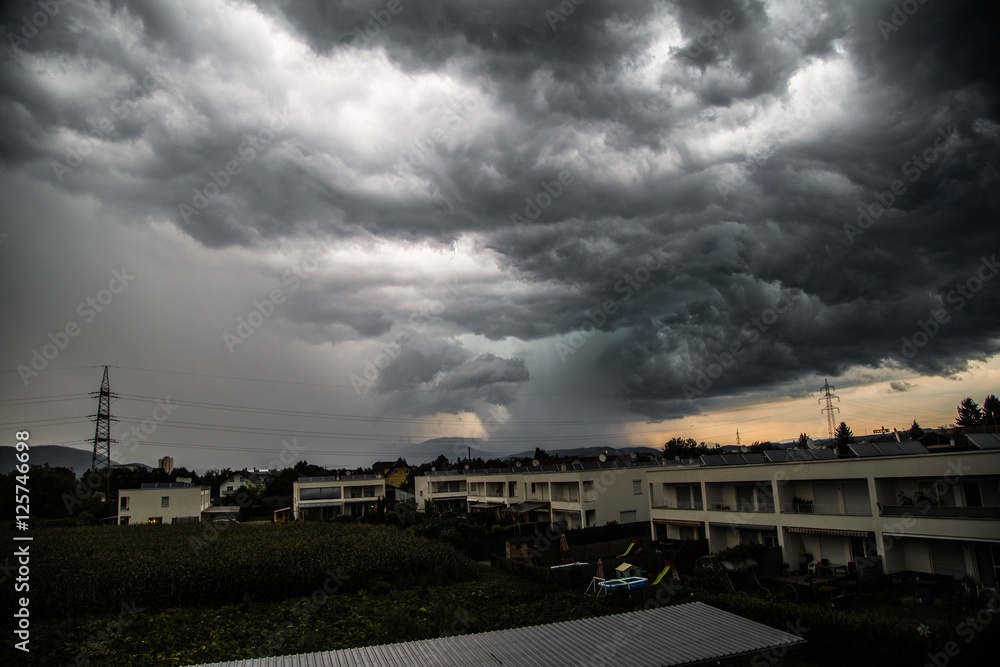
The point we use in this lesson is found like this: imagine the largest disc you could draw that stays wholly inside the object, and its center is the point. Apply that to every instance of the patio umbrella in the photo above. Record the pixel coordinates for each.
(600, 569)
(563, 544)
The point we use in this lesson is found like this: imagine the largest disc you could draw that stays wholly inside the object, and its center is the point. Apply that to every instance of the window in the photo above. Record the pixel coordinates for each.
(686, 532)
(123, 521)
(124, 503)
(626, 517)
(164, 501)
(156, 519)
(637, 487)
(973, 497)
(320, 493)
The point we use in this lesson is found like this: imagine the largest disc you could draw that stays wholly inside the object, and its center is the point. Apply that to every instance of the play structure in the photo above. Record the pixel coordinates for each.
(627, 578)
(633, 545)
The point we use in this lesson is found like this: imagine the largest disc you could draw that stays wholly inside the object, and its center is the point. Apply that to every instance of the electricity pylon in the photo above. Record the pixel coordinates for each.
(830, 408)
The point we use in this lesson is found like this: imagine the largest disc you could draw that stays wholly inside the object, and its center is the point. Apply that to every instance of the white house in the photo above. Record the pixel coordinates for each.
(231, 484)
(316, 498)
(163, 503)
(576, 494)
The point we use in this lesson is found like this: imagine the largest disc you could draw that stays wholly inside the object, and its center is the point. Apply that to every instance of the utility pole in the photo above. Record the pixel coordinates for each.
(828, 396)
(102, 432)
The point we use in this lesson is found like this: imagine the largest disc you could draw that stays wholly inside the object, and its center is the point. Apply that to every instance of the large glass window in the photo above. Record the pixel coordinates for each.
(320, 493)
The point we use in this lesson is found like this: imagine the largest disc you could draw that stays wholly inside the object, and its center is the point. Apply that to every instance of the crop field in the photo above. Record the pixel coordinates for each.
(179, 595)
(79, 570)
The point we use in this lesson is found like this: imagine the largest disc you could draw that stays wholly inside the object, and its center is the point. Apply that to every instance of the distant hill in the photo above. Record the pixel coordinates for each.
(57, 456)
(455, 448)
(591, 451)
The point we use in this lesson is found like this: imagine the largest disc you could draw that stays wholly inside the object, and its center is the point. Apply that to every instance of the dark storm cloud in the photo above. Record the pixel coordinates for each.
(740, 150)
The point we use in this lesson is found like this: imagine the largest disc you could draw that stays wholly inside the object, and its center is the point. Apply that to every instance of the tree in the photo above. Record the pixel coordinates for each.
(540, 454)
(803, 441)
(758, 447)
(842, 437)
(915, 432)
(685, 449)
(991, 411)
(969, 414)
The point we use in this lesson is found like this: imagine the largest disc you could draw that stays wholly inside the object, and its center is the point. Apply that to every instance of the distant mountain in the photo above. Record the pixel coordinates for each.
(455, 448)
(591, 451)
(57, 456)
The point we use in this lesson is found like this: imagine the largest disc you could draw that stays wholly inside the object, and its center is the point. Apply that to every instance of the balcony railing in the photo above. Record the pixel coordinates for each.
(767, 508)
(934, 512)
(828, 509)
(678, 506)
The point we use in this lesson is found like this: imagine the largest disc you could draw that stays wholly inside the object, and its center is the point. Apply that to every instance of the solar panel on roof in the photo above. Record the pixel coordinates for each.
(984, 440)
(863, 450)
(913, 447)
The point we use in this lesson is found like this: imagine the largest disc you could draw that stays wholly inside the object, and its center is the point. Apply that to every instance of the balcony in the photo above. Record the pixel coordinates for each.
(831, 509)
(938, 512)
(678, 506)
(761, 507)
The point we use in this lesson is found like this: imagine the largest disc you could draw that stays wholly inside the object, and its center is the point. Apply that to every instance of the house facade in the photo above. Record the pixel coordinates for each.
(578, 495)
(395, 474)
(163, 503)
(925, 512)
(231, 484)
(446, 488)
(318, 498)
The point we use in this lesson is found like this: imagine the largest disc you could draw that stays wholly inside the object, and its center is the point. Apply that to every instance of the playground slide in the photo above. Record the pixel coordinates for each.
(657, 580)
(627, 550)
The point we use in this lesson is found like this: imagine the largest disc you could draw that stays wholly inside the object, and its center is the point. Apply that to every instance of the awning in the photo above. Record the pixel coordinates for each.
(310, 504)
(830, 531)
(677, 522)
(528, 506)
(747, 526)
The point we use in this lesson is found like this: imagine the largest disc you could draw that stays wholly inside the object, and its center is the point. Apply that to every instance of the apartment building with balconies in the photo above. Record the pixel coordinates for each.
(576, 494)
(892, 504)
(447, 489)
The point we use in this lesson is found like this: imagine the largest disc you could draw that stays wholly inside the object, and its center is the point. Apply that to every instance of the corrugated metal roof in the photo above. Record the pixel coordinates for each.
(680, 635)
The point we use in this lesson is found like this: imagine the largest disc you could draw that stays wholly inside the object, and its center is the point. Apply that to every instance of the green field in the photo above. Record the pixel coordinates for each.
(262, 590)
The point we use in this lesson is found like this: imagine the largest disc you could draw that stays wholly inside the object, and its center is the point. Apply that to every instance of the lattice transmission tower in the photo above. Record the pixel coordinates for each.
(102, 433)
(830, 408)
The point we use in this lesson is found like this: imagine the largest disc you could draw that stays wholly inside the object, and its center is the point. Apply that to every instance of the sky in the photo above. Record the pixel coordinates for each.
(331, 231)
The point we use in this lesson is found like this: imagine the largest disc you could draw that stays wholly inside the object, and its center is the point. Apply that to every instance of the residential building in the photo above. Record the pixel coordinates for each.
(163, 503)
(894, 505)
(317, 498)
(446, 488)
(577, 494)
(166, 464)
(395, 474)
(231, 484)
